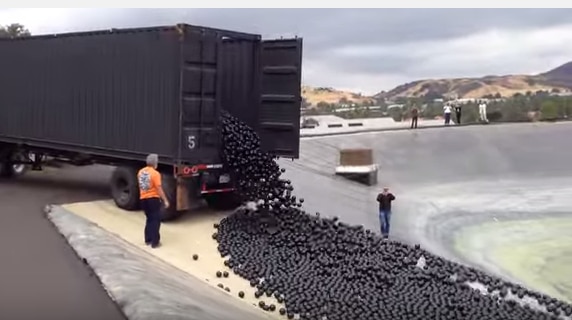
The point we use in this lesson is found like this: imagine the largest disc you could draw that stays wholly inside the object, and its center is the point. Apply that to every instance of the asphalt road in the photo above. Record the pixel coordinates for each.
(41, 276)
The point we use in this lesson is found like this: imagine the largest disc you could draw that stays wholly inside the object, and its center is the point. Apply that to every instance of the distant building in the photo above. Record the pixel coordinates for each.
(466, 100)
(562, 94)
(473, 100)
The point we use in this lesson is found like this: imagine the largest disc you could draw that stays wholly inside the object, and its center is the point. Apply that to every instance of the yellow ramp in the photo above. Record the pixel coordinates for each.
(192, 234)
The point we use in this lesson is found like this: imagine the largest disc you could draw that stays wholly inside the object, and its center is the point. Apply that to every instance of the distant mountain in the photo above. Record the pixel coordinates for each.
(315, 95)
(561, 76)
(558, 79)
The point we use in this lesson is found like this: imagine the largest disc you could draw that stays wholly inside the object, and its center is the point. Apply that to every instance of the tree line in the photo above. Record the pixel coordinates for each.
(518, 108)
(540, 105)
(14, 30)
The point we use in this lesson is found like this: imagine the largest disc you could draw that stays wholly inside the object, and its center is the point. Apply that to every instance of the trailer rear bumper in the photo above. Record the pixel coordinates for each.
(216, 182)
(194, 170)
(194, 182)
(204, 190)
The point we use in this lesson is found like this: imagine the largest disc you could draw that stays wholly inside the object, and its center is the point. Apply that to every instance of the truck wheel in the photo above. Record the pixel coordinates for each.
(170, 189)
(5, 170)
(18, 169)
(124, 188)
(222, 201)
(10, 170)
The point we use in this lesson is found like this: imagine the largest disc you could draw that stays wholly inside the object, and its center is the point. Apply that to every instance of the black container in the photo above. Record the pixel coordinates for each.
(125, 93)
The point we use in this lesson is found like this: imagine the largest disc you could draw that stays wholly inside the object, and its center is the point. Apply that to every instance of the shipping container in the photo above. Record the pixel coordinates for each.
(271, 68)
(114, 96)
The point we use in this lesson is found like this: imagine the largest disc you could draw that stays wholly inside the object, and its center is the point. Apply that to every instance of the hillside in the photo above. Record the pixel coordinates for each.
(330, 95)
(559, 78)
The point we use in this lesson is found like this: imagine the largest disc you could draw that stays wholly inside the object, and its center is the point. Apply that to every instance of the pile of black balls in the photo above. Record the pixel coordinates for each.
(255, 173)
(322, 268)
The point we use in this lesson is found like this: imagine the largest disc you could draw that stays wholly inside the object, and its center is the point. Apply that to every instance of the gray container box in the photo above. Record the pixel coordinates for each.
(121, 94)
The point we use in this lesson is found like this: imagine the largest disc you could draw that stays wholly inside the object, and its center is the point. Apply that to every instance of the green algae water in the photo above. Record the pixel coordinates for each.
(536, 252)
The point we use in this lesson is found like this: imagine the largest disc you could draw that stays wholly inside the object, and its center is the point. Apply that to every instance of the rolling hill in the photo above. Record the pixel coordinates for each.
(559, 78)
(315, 95)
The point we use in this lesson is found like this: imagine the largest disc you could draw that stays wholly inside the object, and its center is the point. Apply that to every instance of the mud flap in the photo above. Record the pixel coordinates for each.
(183, 196)
(187, 194)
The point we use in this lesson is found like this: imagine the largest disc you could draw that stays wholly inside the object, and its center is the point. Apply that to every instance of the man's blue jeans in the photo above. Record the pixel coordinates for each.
(384, 217)
(152, 209)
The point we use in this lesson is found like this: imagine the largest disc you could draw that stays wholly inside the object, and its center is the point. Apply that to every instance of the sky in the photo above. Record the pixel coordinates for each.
(363, 50)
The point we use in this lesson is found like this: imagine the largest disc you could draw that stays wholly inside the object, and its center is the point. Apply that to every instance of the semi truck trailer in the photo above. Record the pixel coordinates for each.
(113, 96)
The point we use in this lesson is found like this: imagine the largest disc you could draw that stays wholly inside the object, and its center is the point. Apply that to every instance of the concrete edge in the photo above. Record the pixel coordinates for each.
(364, 130)
(53, 214)
(367, 130)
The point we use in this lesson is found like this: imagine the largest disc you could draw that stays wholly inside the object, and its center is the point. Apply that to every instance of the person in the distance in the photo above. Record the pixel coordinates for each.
(447, 113)
(483, 112)
(414, 117)
(385, 198)
(458, 113)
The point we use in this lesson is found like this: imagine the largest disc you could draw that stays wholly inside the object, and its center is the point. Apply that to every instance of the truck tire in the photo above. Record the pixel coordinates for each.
(170, 189)
(5, 170)
(222, 201)
(124, 188)
(9, 170)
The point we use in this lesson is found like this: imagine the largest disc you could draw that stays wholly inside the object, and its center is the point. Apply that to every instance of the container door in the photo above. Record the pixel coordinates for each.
(280, 96)
(200, 96)
(239, 59)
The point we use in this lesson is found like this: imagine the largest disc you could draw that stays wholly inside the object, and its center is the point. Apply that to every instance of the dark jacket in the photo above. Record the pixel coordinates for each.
(385, 201)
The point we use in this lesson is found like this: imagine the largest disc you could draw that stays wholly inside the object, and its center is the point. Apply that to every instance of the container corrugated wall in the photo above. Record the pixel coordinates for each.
(240, 83)
(127, 93)
(107, 93)
(200, 96)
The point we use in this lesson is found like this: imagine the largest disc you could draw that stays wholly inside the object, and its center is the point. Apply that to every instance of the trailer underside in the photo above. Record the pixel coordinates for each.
(186, 186)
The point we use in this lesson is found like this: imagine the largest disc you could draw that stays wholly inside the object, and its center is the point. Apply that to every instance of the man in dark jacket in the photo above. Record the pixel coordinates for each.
(414, 117)
(458, 113)
(385, 198)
